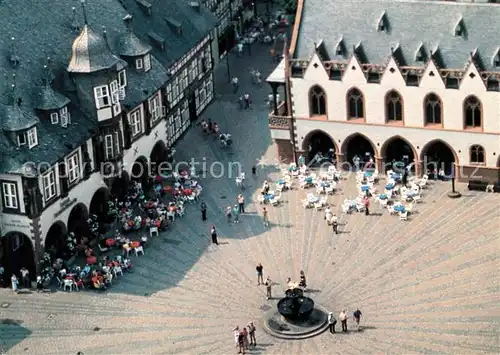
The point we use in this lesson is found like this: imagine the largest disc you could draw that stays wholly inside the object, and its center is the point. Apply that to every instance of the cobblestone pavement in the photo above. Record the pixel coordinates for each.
(429, 285)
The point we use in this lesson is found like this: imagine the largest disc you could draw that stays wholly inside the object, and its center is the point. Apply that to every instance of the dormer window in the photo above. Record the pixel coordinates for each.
(147, 62)
(122, 78)
(54, 118)
(102, 99)
(340, 50)
(383, 23)
(139, 64)
(496, 59)
(65, 117)
(421, 56)
(460, 30)
(28, 137)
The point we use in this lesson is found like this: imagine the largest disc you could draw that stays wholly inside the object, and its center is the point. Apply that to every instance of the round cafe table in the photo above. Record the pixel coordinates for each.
(135, 244)
(110, 242)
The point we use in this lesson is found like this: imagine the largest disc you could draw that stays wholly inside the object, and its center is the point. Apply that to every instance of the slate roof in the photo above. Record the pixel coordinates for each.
(412, 23)
(48, 29)
(195, 25)
(129, 45)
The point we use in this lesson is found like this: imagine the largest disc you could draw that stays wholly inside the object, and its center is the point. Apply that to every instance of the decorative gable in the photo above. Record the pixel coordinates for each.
(392, 75)
(353, 74)
(316, 71)
(460, 30)
(383, 23)
(431, 78)
(471, 80)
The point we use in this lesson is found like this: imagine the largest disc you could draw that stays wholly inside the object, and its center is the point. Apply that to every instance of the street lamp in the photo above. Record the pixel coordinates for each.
(453, 193)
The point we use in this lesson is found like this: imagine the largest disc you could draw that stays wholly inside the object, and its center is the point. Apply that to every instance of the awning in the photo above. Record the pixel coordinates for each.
(278, 74)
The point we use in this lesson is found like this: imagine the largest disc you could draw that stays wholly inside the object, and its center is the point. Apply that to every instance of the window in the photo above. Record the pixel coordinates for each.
(136, 122)
(49, 185)
(21, 138)
(54, 118)
(109, 146)
(65, 118)
(101, 94)
(139, 64)
(394, 107)
(154, 108)
(114, 89)
(193, 70)
(355, 102)
(472, 112)
(10, 195)
(184, 79)
(32, 138)
(317, 101)
(477, 155)
(73, 168)
(122, 78)
(169, 94)
(433, 109)
(147, 62)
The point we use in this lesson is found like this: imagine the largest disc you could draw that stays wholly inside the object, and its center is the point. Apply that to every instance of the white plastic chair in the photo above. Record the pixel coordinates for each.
(68, 284)
(153, 231)
(139, 250)
(403, 216)
(171, 215)
(117, 270)
(417, 198)
(279, 187)
(276, 200)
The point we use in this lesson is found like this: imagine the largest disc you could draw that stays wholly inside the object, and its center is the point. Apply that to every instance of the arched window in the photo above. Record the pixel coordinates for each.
(355, 104)
(317, 101)
(472, 112)
(433, 109)
(477, 155)
(394, 107)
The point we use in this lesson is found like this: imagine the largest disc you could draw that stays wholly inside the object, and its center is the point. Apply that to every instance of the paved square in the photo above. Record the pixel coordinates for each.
(428, 285)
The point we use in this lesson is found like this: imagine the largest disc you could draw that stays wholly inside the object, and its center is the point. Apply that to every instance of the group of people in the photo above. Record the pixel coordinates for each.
(245, 337)
(25, 280)
(343, 317)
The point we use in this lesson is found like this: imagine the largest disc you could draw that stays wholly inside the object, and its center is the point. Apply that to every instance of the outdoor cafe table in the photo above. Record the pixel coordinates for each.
(268, 197)
(281, 182)
(309, 180)
(382, 197)
(390, 186)
(365, 188)
(325, 184)
(396, 176)
(110, 242)
(399, 208)
(368, 173)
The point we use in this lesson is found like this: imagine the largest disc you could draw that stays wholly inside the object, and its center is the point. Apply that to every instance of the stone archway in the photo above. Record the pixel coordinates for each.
(358, 144)
(436, 155)
(16, 252)
(120, 186)
(78, 222)
(99, 204)
(140, 169)
(55, 239)
(158, 156)
(397, 153)
(318, 141)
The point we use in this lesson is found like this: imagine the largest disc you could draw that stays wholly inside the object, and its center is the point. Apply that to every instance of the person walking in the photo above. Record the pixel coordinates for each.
(343, 320)
(357, 317)
(246, 342)
(335, 224)
(265, 215)
(213, 232)
(240, 49)
(241, 203)
(247, 100)
(235, 82)
(268, 284)
(236, 214)
(241, 342)
(228, 214)
(260, 274)
(331, 322)
(25, 278)
(14, 283)
(366, 203)
(236, 332)
(251, 332)
(203, 211)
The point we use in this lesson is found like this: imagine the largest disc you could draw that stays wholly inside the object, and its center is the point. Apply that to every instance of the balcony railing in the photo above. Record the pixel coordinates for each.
(281, 120)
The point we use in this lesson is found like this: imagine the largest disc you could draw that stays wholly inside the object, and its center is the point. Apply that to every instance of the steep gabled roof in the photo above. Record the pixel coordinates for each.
(411, 22)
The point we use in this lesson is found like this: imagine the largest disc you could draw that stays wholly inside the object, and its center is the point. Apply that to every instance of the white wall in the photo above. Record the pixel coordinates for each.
(413, 97)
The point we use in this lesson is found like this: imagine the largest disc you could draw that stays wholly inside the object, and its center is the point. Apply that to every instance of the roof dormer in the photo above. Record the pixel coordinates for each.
(460, 30)
(496, 58)
(340, 48)
(128, 44)
(383, 23)
(421, 54)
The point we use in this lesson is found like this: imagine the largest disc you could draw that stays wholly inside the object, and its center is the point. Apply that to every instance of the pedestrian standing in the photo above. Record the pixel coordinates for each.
(272, 53)
(270, 99)
(246, 342)
(228, 214)
(251, 332)
(240, 49)
(213, 232)
(14, 283)
(241, 203)
(265, 214)
(268, 284)
(260, 274)
(236, 332)
(241, 343)
(254, 170)
(366, 202)
(247, 101)
(25, 278)
(235, 81)
(236, 214)
(335, 223)
(203, 211)
(343, 320)
(357, 317)
(331, 322)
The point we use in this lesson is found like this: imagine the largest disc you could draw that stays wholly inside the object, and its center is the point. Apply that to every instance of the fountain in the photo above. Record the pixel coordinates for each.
(295, 317)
